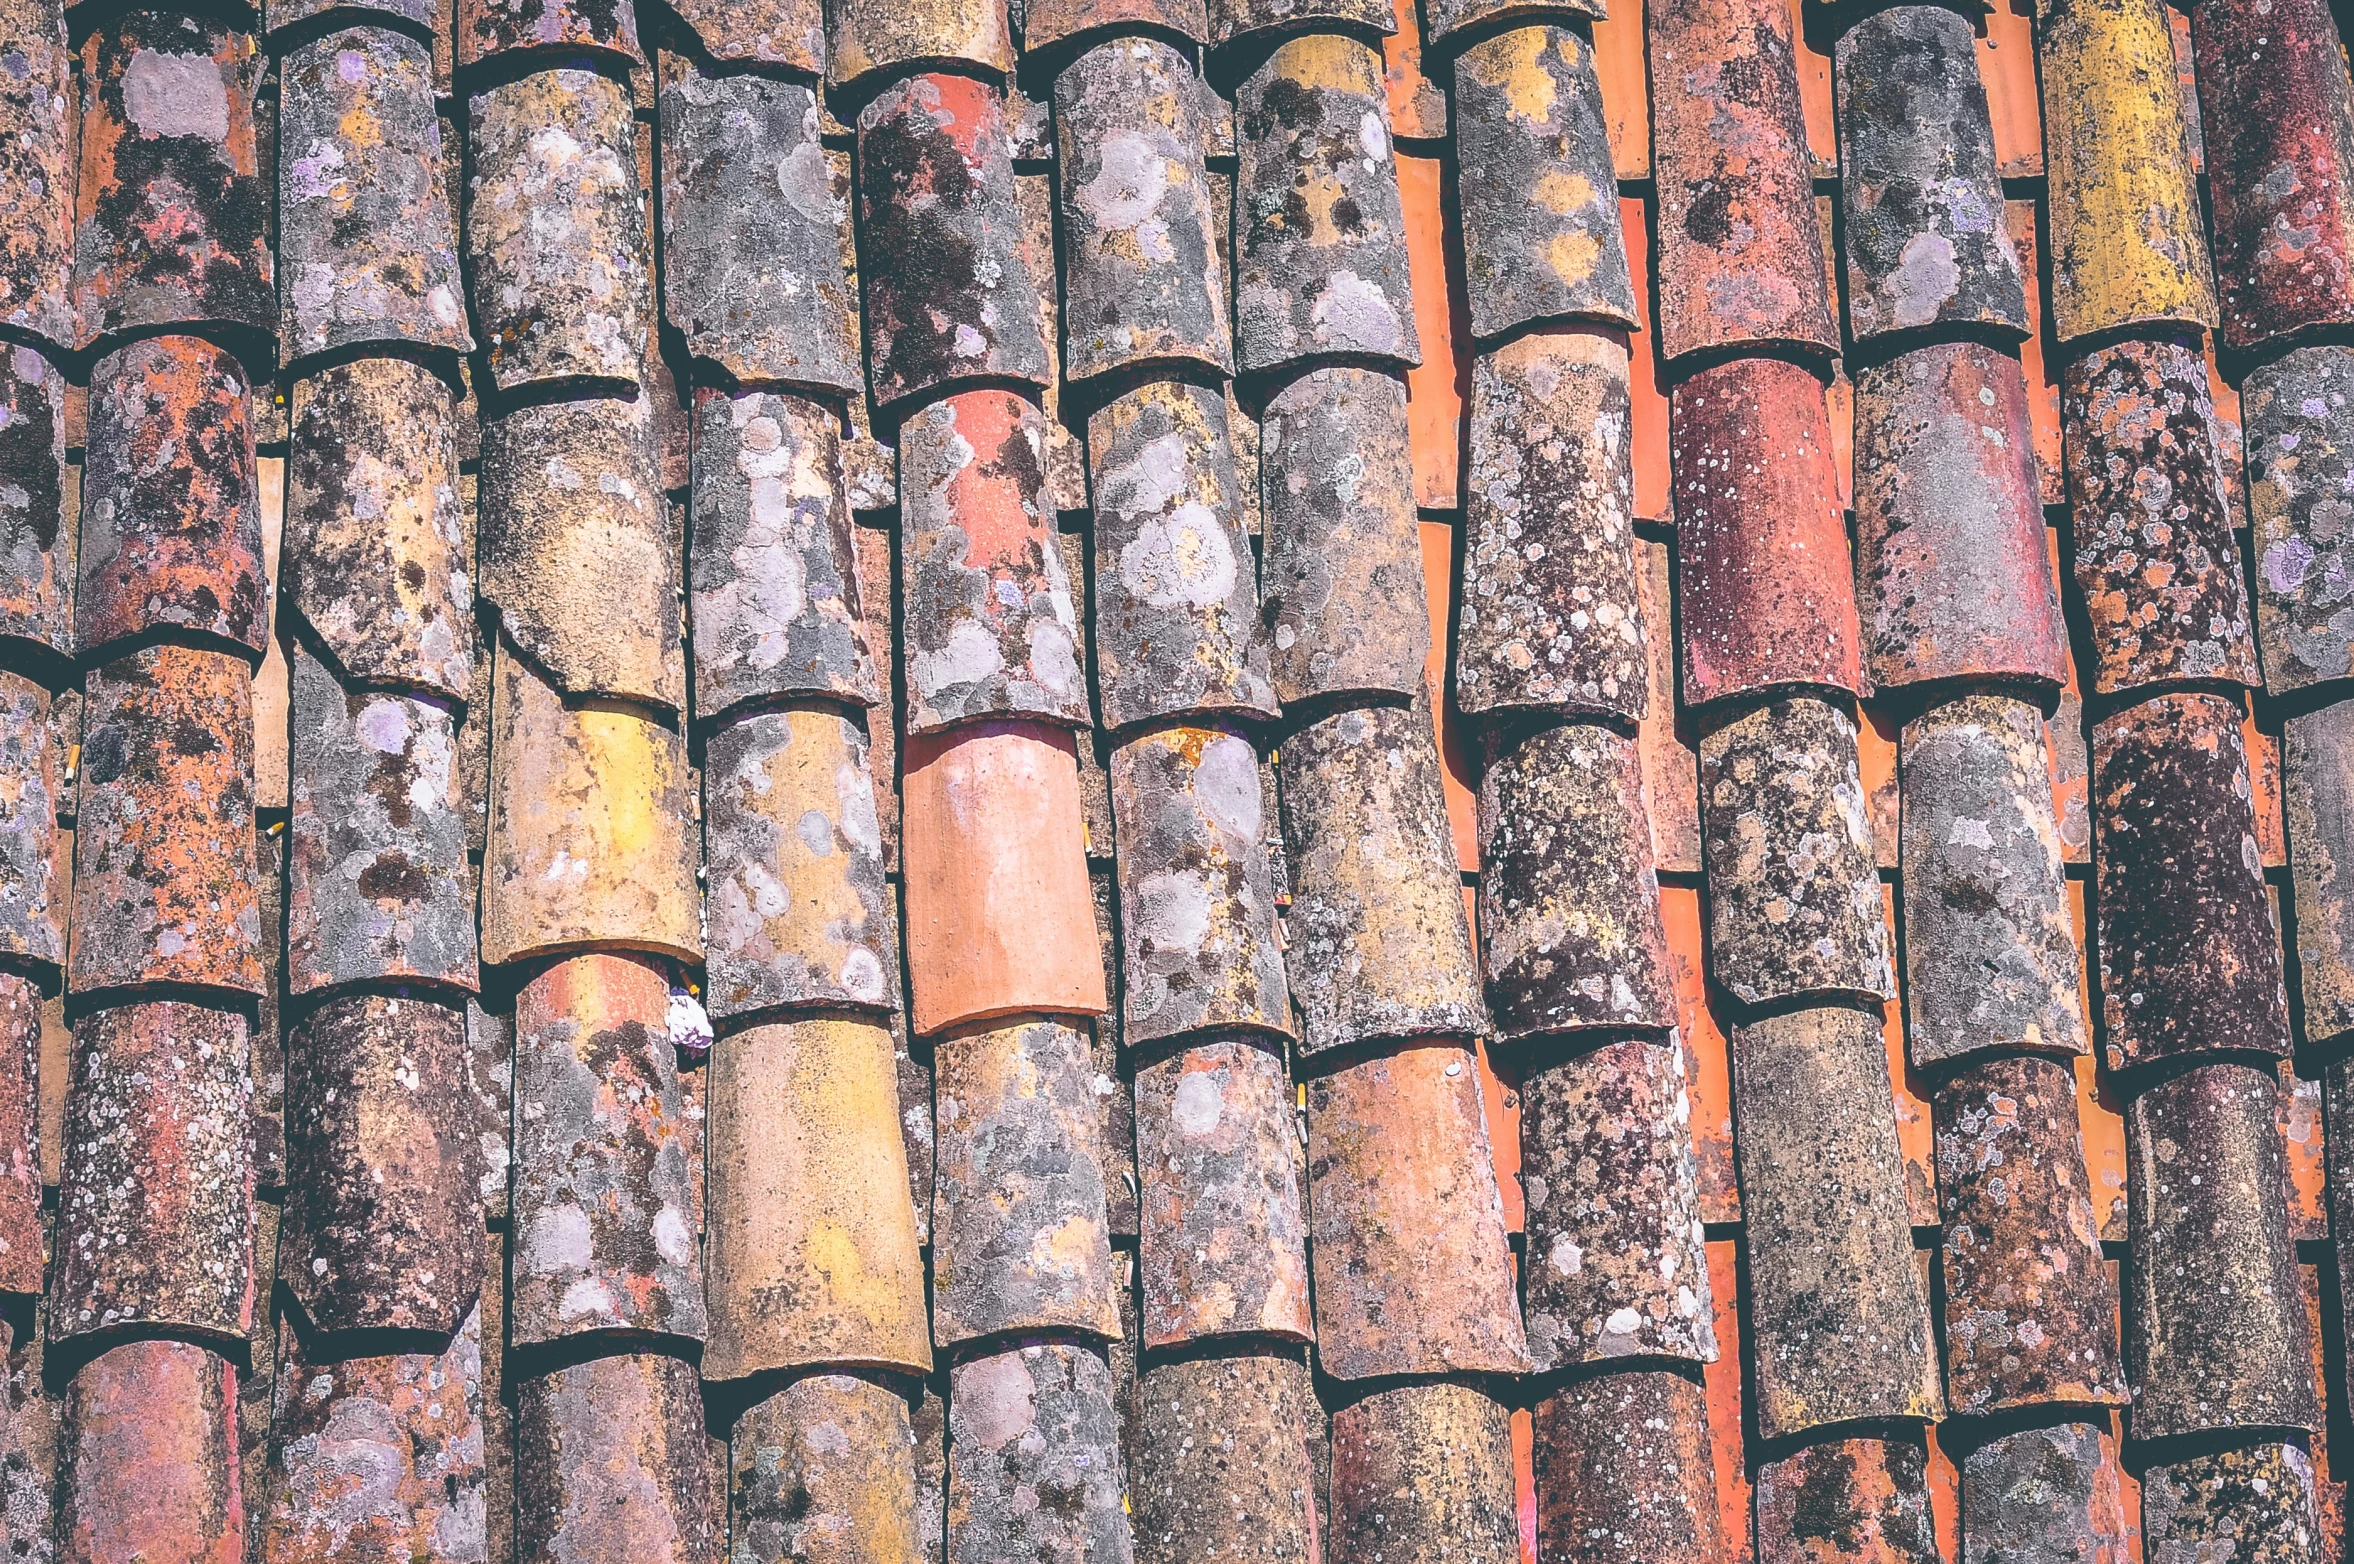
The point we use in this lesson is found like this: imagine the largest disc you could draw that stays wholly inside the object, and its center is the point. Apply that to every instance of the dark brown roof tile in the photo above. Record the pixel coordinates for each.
(1320, 270)
(2155, 554)
(826, 1465)
(1141, 281)
(488, 29)
(1616, 1266)
(1569, 930)
(36, 876)
(577, 550)
(1847, 1501)
(1031, 1420)
(2030, 1314)
(155, 1199)
(1794, 897)
(1766, 586)
(612, 1463)
(2301, 463)
(2189, 960)
(1379, 944)
(1740, 246)
(2272, 82)
(1838, 1315)
(778, 607)
(1341, 583)
(378, 884)
(948, 298)
(1952, 563)
(1412, 1271)
(990, 625)
(37, 136)
(1020, 1241)
(605, 1219)
(377, 556)
(2257, 1505)
(1223, 1248)
(1424, 1472)
(1225, 1473)
(164, 881)
(171, 515)
(1625, 1473)
(2216, 1333)
(1537, 194)
(556, 228)
(381, 1454)
(173, 217)
(37, 544)
(752, 272)
(1991, 960)
(1197, 900)
(383, 1167)
(1552, 613)
(2048, 1494)
(592, 840)
(1925, 241)
(148, 1459)
(365, 231)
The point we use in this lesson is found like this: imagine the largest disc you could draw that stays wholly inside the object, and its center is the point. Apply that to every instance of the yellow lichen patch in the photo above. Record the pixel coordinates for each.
(1514, 63)
(1573, 256)
(1330, 62)
(2128, 240)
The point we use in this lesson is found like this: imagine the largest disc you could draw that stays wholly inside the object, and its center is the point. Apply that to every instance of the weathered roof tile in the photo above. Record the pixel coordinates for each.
(872, 41)
(1424, 1472)
(148, 1458)
(2260, 1503)
(489, 29)
(2049, 1493)
(612, 1463)
(37, 546)
(21, 1218)
(1624, 1471)
(1878, 1489)
(36, 875)
(825, 1465)
(1225, 1469)
(38, 129)
(1030, 1419)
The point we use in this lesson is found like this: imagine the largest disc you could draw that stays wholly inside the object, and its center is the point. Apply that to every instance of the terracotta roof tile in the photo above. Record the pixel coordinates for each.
(1990, 954)
(2316, 785)
(1551, 617)
(1224, 1223)
(377, 548)
(1570, 934)
(148, 1458)
(1442, 324)
(1262, 21)
(1840, 1333)
(806, 1164)
(754, 283)
(1766, 587)
(38, 129)
(1739, 258)
(1034, 1417)
(825, 1463)
(37, 548)
(1408, 1244)
(1379, 946)
(2273, 87)
(871, 42)
(2127, 244)
(2257, 1501)
(171, 528)
(2299, 458)
(1865, 1500)
(612, 1463)
(1625, 1471)
(1321, 271)
(1918, 170)
(383, 1208)
(1224, 1471)
(1951, 559)
(605, 1220)
(1341, 581)
(488, 29)
(1424, 1471)
(21, 1217)
(36, 873)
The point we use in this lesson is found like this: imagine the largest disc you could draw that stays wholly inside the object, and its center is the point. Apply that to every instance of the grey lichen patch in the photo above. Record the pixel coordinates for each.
(2300, 435)
(2050, 1494)
(1795, 903)
(35, 872)
(752, 270)
(578, 550)
(556, 231)
(2260, 1505)
(1197, 900)
(2317, 793)
(378, 883)
(774, 575)
(37, 548)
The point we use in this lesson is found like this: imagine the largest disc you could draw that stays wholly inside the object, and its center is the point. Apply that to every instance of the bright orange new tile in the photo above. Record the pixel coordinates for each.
(1438, 571)
(1435, 388)
(2264, 778)
(1647, 390)
(2006, 63)
(2043, 386)
(1875, 753)
(1708, 1063)
(2300, 1130)
(1418, 109)
(1916, 1133)
(1722, 1380)
(1814, 94)
(1626, 90)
